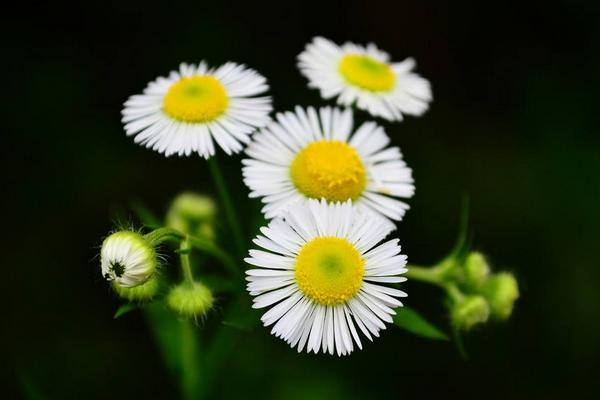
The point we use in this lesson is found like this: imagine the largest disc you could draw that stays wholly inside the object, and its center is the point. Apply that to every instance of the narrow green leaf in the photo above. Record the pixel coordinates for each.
(462, 239)
(124, 309)
(410, 320)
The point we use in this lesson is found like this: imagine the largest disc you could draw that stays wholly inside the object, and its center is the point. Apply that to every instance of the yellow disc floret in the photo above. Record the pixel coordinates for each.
(329, 169)
(196, 99)
(367, 73)
(329, 270)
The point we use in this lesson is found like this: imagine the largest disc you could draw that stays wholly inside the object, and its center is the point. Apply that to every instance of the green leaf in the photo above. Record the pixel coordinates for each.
(410, 320)
(146, 216)
(124, 309)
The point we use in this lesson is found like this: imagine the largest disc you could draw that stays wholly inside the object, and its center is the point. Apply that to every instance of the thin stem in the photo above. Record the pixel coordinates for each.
(454, 292)
(424, 274)
(190, 369)
(161, 235)
(230, 215)
(186, 266)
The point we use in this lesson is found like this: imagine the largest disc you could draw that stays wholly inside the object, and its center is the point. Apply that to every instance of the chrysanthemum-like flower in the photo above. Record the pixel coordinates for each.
(365, 76)
(307, 155)
(323, 276)
(127, 259)
(184, 112)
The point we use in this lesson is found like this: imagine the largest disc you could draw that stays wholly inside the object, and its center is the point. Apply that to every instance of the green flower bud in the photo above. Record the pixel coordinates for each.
(472, 310)
(476, 270)
(127, 259)
(144, 292)
(501, 291)
(190, 300)
(193, 214)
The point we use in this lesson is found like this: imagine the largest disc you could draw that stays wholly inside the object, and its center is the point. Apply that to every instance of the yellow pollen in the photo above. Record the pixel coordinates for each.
(196, 99)
(367, 73)
(329, 270)
(329, 169)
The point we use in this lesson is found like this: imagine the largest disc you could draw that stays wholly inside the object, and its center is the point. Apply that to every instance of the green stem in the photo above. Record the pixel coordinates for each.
(161, 235)
(189, 361)
(454, 292)
(230, 215)
(430, 275)
(186, 265)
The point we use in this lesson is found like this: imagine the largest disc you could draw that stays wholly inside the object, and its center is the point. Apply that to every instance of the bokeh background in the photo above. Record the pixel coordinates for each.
(514, 125)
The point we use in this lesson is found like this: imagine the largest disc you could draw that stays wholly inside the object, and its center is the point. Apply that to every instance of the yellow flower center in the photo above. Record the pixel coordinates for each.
(329, 270)
(196, 99)
(329, 169)
(367, 73)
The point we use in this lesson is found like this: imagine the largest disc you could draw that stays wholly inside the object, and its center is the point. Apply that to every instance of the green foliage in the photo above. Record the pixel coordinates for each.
(410, 320)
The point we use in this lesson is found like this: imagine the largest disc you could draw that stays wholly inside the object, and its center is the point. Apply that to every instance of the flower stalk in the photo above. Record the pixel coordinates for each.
(230, 214)
(186, 266)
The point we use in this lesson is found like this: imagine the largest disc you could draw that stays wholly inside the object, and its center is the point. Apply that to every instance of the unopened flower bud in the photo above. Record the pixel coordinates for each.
(476, 270)
(144, 292)
(501, 291)
(127, 259)
(192, 213)
(472, 310)
(193, 300)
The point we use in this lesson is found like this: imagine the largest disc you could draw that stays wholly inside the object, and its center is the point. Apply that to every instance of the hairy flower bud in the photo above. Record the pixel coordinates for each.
(193, 214)
(144, 292)
(472, 310)
(501, 291)
(190, 300)
(476, 270)
(127, 259)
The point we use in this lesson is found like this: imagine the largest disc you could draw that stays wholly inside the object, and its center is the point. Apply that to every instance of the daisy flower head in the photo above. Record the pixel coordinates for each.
(317, 155)
(365, 76)
(188, 110)
(323, 276)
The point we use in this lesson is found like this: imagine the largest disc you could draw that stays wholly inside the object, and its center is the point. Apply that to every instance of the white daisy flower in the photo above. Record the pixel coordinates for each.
(184, 112)
(365, 76)
(127, 259)
(307, 155)
(322, 273)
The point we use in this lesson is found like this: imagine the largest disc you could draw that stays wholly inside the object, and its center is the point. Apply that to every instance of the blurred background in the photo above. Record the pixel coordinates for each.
(513, 124)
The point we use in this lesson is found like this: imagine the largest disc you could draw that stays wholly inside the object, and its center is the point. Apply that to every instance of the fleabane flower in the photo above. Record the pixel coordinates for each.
(184, 112)
(323, 276)
(127, 259)
(364, 75)
(308, 155)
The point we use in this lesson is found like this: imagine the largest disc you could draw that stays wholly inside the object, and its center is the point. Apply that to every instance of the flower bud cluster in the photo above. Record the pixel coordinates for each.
(479, 294)
(129, 260)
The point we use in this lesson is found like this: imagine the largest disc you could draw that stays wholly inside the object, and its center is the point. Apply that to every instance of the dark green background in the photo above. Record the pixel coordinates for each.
(514, 124)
